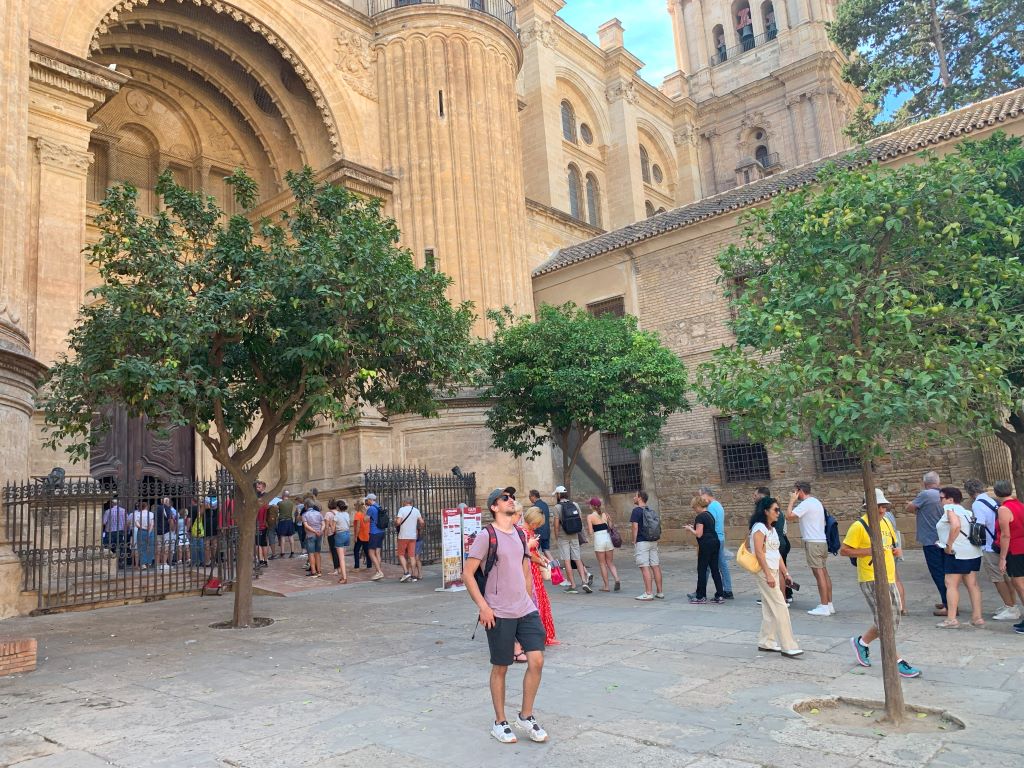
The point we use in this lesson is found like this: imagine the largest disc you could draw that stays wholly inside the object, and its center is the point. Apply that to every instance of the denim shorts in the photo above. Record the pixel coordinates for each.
(341, 539)
(376, 541)
(312, 544)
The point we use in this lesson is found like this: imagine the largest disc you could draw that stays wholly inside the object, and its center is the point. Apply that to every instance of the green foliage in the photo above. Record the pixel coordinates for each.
(883, 301)
(938, 54)
(569, 371)
(252, 331)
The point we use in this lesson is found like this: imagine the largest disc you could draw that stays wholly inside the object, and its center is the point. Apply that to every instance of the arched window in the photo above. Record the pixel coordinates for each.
(593, 201)
(568, 122)
(761, 155)
(575, 193)
(744, 24)
(771, 29)
(645, 164)
(649, 208)
(721, 48)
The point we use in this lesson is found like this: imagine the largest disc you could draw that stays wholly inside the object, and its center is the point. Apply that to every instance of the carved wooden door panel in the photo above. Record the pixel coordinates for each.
(130, 451)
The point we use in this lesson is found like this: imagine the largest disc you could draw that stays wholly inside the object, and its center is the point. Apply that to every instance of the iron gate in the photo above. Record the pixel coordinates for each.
(431, 494)
(78, 543)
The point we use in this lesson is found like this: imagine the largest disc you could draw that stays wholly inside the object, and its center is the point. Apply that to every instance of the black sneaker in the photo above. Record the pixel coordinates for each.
(728, 596)
(1019, 628)
(291, 554)
(698, 600)
(718, 600)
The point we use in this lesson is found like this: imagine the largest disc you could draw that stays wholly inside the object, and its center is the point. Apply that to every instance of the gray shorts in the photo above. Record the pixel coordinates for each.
(646, 553)
(990, 565)
(501, 638)
(867, 588)
(569, 547)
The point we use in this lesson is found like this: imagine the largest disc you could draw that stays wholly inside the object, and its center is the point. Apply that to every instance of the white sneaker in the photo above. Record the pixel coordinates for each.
(503, 732)
(1008, 613)
(532, 728)
(831, 610)
(660, 595)
(405, 577)
(377, 576)
(821, 610)
(644, 596)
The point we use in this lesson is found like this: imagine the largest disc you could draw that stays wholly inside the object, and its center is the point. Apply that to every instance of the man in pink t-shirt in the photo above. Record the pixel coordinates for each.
(508, 613)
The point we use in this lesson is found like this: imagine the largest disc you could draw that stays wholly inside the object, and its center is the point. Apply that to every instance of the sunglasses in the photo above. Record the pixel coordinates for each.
(506, 497)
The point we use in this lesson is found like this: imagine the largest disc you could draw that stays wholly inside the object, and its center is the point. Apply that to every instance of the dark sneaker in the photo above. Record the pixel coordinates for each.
(718, 600)
(1019, 628)
(906, 670)
(691, 596)
(586, 588)
(531, 727)
(698, 601)
(861, 651)
(590, 579)
(571, 591)
(728, 596)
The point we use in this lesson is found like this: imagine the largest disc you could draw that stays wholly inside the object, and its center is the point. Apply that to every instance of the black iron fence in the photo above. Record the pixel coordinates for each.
(502, 10)
(749, 43)
(431, 493)
(84, 542)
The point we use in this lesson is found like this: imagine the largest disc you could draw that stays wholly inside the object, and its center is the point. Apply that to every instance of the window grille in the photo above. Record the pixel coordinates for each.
(742, 459)
(568, 122)
(835, 458)
(621, 466)
(614, 306)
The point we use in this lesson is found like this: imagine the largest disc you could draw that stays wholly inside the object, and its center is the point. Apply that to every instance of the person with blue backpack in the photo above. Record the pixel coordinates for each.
(810, 513)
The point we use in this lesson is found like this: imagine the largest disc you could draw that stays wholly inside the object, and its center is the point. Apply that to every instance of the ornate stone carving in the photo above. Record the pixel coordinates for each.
(353, 58)
(138, 102)
(543, 32)
(62, 156)
(622, 90)
(686, 136)
(287, 54)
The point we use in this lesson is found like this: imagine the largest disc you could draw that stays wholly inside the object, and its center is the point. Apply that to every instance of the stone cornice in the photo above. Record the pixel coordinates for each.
(533, 208)
(72, 74)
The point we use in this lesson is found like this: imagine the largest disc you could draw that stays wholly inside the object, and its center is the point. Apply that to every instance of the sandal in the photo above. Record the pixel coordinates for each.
(520, 660)
(977, 622)
(948, 624)
(604, 589)
(343, 581)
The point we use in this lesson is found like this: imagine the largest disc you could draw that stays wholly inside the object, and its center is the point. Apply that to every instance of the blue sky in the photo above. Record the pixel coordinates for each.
(648, 30)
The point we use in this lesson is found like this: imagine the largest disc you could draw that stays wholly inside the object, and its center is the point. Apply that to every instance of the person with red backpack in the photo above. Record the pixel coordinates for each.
(1010, 540)
(498, 579)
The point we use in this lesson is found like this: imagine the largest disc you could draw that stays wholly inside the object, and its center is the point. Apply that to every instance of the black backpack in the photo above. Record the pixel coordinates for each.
(492, 555)
(383, 517)
(572, 521)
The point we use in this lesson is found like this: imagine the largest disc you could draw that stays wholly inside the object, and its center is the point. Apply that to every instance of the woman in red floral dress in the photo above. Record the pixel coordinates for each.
(534, 519)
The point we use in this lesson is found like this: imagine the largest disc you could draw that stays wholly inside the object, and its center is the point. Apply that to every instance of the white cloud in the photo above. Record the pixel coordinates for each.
(648, 30)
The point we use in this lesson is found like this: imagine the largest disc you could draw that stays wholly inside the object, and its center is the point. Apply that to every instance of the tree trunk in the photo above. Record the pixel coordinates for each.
(245, 516)
(894, 705)
(1014, 440)
(939, 43)
(566, 465)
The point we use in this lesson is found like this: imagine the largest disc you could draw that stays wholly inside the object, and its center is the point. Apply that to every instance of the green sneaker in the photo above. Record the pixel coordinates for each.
(863, 654)
(906, 670)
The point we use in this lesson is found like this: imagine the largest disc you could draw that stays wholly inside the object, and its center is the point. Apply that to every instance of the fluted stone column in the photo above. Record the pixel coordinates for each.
(451, 136)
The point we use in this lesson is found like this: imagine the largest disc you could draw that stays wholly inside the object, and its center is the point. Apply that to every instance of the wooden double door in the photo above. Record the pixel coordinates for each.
(131, 452)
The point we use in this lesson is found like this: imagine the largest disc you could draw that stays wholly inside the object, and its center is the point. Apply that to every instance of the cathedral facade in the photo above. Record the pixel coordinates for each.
(495, 133)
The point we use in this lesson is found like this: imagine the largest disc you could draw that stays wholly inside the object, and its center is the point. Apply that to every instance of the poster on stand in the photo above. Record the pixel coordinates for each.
(472, 524)
(451, 551)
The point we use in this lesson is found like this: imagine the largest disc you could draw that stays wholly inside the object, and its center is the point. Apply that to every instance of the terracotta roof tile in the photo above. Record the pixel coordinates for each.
(914, 138)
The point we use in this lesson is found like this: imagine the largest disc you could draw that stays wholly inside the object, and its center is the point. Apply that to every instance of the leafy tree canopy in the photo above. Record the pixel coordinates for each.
(569, 374)
(882, 301)
(252, 331)
(937, 54)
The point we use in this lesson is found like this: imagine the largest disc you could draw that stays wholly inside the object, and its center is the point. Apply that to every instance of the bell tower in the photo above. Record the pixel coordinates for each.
(767, 83)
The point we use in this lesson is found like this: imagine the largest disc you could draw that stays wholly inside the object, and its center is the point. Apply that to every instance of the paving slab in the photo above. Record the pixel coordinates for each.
(386, 674)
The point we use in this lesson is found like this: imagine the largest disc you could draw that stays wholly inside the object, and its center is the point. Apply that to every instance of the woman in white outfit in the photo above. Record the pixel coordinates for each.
(598, 524)
(776, 630)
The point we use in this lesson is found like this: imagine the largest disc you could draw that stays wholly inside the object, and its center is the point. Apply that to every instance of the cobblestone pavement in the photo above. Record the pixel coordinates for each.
(386, 675)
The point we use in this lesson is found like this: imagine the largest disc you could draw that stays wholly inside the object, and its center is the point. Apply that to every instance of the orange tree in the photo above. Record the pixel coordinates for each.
(251, 331)
(879, 307)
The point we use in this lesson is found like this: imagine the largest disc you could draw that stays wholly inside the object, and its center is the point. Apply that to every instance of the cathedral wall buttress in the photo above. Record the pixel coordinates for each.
(450, 131)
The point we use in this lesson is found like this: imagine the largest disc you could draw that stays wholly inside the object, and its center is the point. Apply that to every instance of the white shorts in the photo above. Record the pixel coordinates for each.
(602, 541)
(569, 546)
(647, 554)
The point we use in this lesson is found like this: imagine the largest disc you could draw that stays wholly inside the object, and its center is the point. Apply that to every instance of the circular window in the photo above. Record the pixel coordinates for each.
(264, 101)
(759, 135)
(658, 175)
(586, 134)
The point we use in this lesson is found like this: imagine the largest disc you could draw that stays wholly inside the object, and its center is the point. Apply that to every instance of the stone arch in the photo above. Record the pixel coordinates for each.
(588, 107)
(76, 26)
(659, 149)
